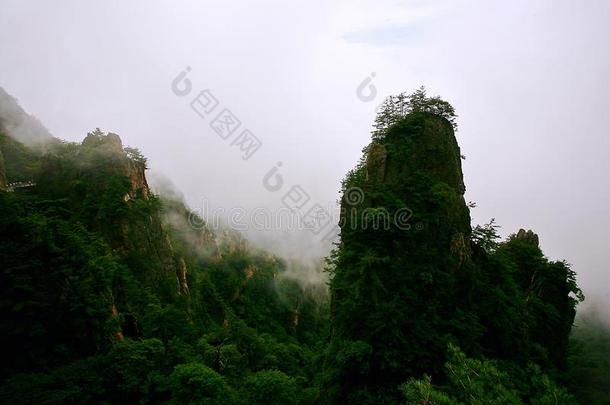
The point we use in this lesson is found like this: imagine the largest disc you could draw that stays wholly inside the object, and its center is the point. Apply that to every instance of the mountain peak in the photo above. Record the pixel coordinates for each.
(110, 141)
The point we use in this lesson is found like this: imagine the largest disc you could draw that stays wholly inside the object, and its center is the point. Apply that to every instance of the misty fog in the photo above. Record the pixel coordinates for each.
(529, 84)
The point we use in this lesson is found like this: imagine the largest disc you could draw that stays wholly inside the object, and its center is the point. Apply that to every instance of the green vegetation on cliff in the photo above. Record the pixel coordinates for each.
(403, 295)
(112, 294)
(105, 299)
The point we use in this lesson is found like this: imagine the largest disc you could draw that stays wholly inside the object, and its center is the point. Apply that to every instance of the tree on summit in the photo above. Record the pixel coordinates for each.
(397, 107)
(135, 155)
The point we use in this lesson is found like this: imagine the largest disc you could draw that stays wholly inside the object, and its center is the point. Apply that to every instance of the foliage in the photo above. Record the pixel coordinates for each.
(271, 387)
(88, 270)
(109, 295)
(481, 382)
(486, 236)
(132, 365)
(422, 392)
(194, 383)
(395, 108)
(56, 278)
(135, 155)
(20, 162)
(401, 296)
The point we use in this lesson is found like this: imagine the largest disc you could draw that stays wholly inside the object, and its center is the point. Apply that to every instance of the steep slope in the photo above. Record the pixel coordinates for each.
(410, 278)
(113, 294)
(400, 290)
(99, 275)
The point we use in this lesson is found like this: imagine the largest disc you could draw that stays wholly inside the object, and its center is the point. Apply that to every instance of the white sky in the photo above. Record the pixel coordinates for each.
(529, 80)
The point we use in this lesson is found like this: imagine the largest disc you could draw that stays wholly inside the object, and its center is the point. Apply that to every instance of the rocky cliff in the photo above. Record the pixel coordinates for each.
(111, 146)
(106, 184)
(419, 160)
(109, 290)
(403, 268)
(411, 279)
(152, 234)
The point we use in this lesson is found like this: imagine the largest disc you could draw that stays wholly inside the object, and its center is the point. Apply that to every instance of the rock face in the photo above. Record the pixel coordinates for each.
(137, 178)
(376, 163)
(156, 238)
(528, 236)
(111, 145)
(418, 163)
(428, 147)
(144, 234)
(110, 142)
(181, 274)
(399, 282)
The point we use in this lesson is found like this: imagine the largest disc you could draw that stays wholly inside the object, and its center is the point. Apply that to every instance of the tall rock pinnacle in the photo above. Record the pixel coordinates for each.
(401, 270)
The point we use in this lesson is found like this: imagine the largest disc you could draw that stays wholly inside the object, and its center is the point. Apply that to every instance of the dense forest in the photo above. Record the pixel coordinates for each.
(113, 294)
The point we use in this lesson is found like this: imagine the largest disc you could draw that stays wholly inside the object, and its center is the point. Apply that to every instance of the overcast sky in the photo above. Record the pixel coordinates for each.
(529, 81)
